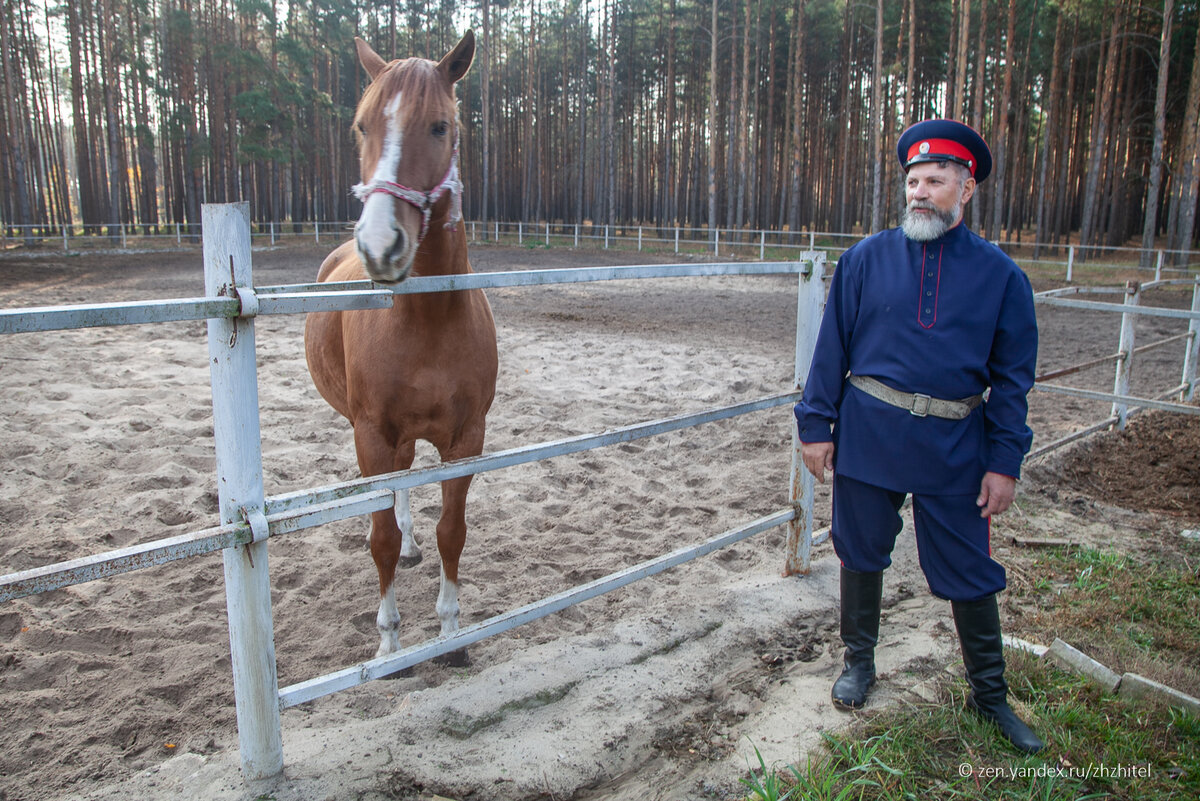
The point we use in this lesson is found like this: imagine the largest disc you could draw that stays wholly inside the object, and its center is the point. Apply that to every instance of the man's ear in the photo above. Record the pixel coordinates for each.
(968, 189)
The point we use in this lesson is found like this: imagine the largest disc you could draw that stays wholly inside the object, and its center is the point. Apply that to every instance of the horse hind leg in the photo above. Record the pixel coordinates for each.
(451, 537)
(410, 551)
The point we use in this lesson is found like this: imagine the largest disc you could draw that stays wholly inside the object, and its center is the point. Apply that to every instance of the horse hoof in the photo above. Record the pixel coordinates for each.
(409, 561)
(456, 659)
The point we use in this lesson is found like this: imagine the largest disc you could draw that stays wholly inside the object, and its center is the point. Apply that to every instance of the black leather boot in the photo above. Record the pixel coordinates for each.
(861, 594)
(978, 624)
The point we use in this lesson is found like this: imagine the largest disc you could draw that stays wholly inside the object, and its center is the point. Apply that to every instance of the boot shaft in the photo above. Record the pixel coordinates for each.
(861, 594)
(979, 634)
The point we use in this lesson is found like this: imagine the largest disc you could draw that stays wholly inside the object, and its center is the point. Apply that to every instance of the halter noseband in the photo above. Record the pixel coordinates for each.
(422, 200)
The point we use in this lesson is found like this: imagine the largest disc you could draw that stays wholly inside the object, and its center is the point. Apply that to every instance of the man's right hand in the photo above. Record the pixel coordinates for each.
(818, 457)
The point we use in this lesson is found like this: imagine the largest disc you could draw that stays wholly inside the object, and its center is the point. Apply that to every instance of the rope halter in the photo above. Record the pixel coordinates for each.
(423, 201)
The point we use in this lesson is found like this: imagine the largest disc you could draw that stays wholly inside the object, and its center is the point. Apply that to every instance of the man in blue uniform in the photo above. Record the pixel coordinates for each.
(918, 386)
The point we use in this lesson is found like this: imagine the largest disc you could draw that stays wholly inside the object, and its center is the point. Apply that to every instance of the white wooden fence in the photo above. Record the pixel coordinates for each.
(1123, 403)
(248, 519)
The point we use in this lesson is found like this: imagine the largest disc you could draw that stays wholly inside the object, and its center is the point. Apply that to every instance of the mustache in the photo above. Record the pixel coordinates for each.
(922, 204)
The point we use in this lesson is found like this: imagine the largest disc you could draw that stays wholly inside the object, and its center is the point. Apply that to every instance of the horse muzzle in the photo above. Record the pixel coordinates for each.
(384, 247)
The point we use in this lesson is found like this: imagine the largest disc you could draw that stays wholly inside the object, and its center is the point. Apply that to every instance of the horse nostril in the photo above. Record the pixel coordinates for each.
(398, 246)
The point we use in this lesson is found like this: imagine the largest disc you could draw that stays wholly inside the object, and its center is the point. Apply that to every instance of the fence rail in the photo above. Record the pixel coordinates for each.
(248, 519)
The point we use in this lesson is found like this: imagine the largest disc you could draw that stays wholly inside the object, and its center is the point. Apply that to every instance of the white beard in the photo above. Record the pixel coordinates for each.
(927, 227)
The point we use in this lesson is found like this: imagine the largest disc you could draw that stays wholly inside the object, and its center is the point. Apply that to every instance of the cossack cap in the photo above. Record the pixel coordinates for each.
(945, 140)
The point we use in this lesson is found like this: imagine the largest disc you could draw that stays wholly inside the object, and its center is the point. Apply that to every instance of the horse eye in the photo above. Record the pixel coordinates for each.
(362, 131)
(440, 128)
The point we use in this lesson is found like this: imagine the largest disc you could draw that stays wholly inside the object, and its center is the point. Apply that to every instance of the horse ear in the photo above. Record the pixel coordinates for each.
(372, 62)
(456, 63)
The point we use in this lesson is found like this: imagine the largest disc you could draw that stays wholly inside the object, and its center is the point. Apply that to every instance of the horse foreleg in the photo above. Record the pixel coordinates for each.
(384, 541)
(390, 528)
(451, 537)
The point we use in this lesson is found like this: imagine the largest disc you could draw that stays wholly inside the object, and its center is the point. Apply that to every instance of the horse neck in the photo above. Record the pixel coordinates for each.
(443, 251)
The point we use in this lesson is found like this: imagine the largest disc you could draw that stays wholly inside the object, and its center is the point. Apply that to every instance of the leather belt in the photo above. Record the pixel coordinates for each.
(916, 403)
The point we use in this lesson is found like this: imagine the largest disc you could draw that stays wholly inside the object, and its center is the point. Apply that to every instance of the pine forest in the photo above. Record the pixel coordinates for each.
(753, 114)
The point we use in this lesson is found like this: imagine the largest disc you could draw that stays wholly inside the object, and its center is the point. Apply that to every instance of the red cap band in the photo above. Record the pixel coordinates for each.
(932, 149)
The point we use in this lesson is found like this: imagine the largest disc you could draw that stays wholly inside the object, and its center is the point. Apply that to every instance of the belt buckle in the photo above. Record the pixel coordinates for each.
(920, 405)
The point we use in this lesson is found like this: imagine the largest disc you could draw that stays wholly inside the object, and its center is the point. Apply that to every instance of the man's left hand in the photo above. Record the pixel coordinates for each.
(996, 493)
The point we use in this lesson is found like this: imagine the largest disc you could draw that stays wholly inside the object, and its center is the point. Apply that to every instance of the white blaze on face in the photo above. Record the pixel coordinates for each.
(376, 229)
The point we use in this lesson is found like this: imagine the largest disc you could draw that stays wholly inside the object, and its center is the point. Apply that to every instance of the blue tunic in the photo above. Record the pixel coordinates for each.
(948, 318)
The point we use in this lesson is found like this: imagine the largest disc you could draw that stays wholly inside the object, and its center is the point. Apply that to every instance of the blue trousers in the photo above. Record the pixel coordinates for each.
(953, 541)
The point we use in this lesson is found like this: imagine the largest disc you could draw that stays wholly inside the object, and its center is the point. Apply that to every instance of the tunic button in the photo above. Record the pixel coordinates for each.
(929, 274)
(928, 294)
(928, 310)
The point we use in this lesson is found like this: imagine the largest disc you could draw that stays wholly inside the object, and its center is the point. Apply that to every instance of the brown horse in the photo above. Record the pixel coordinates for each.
(426, 367)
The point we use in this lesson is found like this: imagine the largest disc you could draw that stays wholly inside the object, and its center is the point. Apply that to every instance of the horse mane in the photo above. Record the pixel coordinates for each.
(416, 79)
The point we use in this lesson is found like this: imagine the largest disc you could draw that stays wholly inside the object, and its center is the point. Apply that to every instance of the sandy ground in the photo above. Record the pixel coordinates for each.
(121, 689)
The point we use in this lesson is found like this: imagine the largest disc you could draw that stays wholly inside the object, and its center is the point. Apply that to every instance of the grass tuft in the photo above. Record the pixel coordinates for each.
(1098, 745)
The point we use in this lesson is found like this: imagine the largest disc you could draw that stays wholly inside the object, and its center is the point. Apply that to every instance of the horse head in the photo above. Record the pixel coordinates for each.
(408, 135)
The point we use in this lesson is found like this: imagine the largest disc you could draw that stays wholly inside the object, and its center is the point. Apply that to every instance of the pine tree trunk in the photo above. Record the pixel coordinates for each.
(1189, 158)
(797, 122)
(977, 110)
(877, 125)
(9, 67)
(1106, 84)
(712, 127)
(743, 125)
(960, 60)
(485, 80)
(111, 118)
(1150, 223)
(1000, 149)
(1048, 134)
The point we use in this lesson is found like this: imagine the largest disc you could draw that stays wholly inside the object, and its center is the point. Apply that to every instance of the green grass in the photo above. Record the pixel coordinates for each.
(1099, 745)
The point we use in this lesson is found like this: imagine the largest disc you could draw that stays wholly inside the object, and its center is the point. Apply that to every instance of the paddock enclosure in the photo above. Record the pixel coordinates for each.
(246, 520)
(723, 340)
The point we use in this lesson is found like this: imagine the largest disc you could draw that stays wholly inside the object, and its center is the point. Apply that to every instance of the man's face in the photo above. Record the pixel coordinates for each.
(936, 193)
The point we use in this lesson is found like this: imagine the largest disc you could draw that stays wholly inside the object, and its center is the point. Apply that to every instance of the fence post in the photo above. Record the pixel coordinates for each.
(226, 229)
(762, 245)
(520, 233)
(66, 247)
(1192, 355)
(716, 241)
(606, 236)
(1070, 262)
(547, 234)
(1125, 354)
(809, 305)
(576, 235)
(1158, 267)
(639, 239)
(677, 239)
